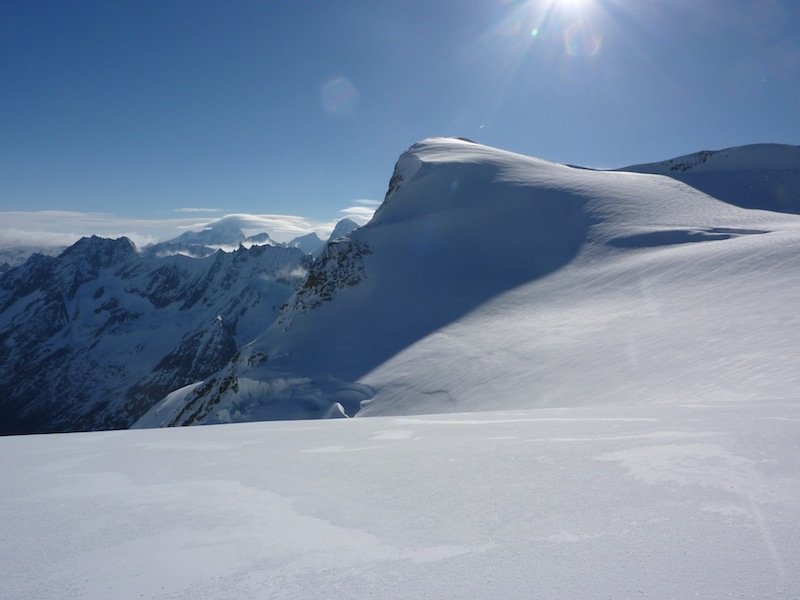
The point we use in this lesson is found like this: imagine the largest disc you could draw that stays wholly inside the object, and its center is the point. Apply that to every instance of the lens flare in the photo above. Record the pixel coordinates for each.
(581, 39)
(339, 97)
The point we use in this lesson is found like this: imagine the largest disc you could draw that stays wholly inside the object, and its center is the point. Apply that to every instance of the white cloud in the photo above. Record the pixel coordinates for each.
(63, 228)
(359, 214)
(275, 225)
(35, 238)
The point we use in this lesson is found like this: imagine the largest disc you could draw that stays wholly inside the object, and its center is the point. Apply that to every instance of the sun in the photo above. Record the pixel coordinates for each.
(547, 28)
(572, 5)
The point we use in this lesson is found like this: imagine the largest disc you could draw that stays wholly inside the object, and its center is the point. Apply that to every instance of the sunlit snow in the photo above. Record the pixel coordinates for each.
(646, 501)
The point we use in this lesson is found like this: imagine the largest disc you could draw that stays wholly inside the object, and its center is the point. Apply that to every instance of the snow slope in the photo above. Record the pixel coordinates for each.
(763, 176)
(651, 501)
(489, 280)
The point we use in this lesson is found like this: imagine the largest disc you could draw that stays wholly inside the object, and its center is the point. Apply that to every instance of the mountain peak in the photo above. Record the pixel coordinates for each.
(343, 228)
(308, 243)
(215, 235)
(101, 252)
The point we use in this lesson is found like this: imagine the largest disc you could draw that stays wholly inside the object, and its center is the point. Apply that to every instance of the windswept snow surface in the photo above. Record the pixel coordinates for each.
(644, 501)
(488, 280)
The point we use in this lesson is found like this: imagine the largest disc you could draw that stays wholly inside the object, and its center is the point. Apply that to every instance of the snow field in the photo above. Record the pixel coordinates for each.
(671, 501)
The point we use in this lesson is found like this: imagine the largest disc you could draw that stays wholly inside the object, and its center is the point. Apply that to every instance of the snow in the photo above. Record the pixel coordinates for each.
(761, 176)
(343, 228)
(488, 280)
(766, 157)
(643, 501)
(167, 404)
(571, 383)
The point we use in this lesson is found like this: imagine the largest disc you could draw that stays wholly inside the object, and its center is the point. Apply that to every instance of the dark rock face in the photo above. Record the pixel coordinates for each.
(340, 266)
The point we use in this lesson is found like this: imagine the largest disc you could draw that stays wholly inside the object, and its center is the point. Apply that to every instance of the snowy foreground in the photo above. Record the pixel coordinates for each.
(641, 501)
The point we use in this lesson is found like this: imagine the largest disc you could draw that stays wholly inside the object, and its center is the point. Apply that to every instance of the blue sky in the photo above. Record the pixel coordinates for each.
(140, 110)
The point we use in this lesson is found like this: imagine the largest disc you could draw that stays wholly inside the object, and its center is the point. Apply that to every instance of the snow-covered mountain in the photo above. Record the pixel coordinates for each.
(490, 280)
(343, 228)
(199, 244)
(308, 243)
(762, 176)
(222, 236)
(94, 337)
(313, 245)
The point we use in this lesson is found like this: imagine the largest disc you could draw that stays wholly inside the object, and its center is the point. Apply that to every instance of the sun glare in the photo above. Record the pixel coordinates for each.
(572, 21)
(541, 35)
(571, 4)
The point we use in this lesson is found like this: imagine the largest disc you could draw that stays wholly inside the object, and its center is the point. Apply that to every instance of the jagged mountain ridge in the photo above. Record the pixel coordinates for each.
(199, 244)
(195, 244)
(92, 338)
(490, 280)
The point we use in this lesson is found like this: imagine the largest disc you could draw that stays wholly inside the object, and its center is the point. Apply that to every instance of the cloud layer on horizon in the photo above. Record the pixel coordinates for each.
(63, 228)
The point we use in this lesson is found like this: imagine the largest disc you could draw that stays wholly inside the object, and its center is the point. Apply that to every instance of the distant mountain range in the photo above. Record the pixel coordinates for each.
(485, 280)
(195, 244)
(92, 338)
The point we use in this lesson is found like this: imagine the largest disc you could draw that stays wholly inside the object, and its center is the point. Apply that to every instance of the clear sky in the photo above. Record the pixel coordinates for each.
(142, 109)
